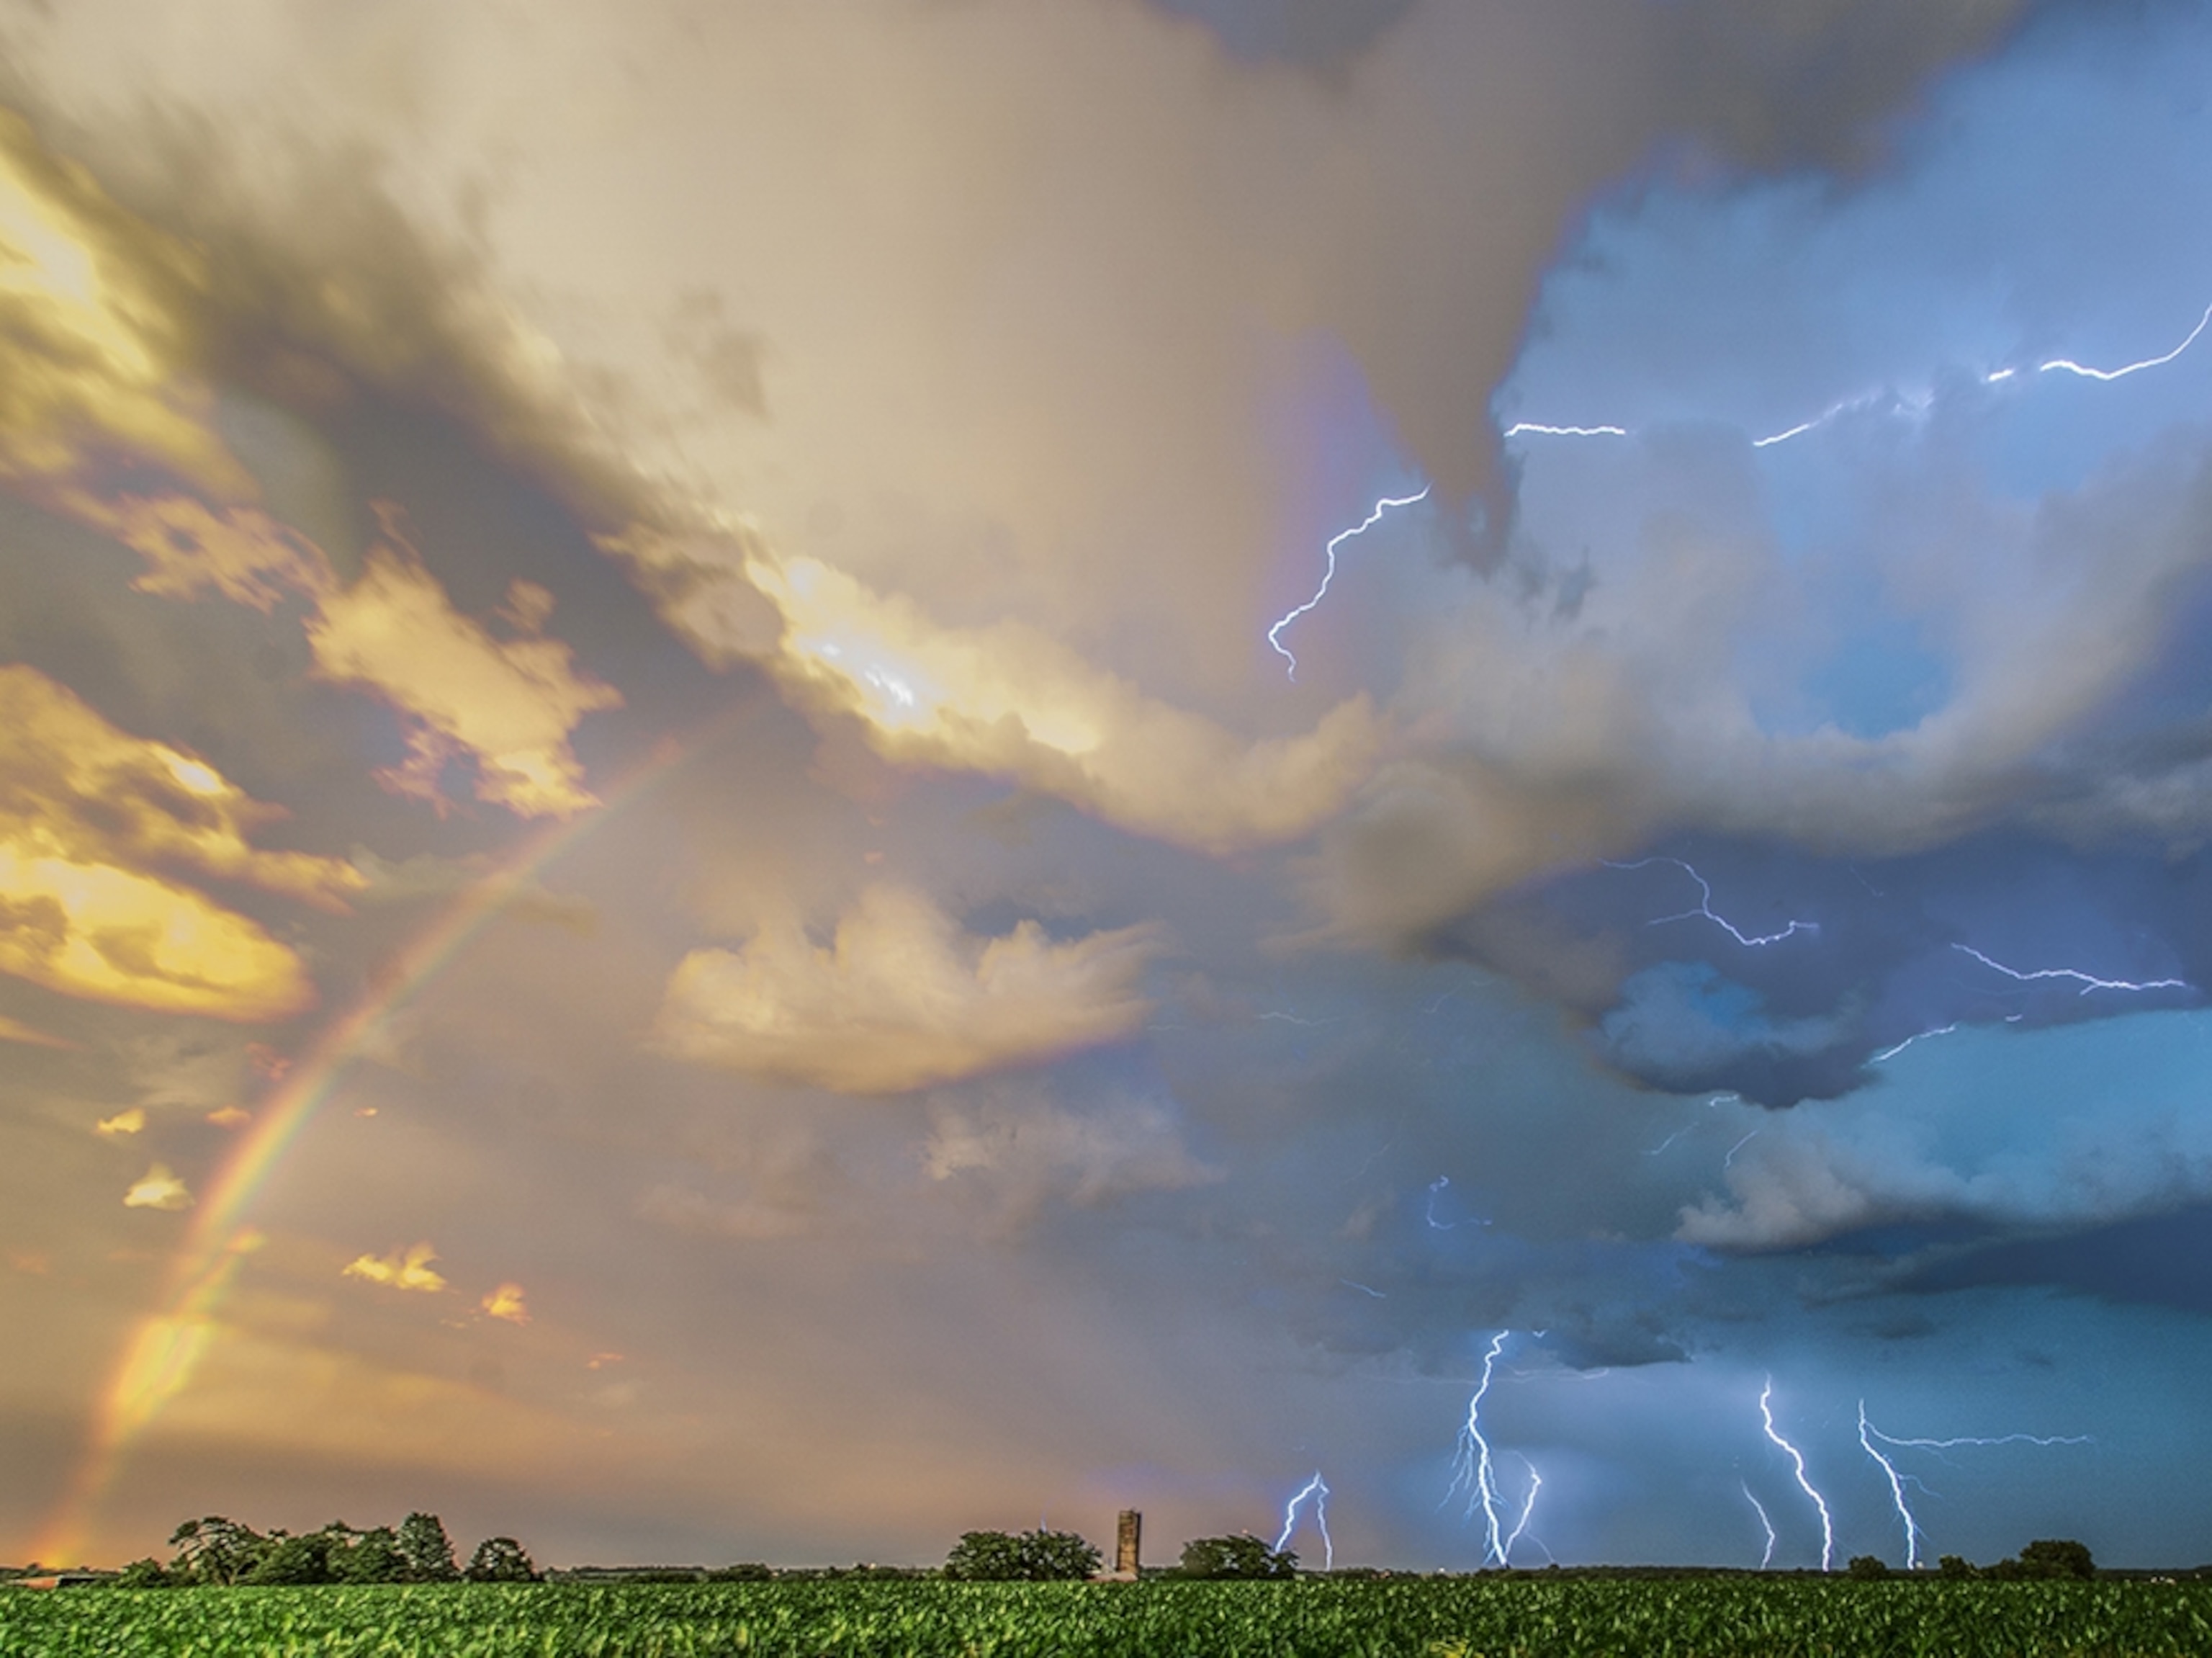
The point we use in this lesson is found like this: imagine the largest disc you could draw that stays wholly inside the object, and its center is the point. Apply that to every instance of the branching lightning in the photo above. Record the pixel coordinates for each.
(1912, 1533)
(1317, 1489)
(2089, 982)
(1475, 1472)
(1997, 377)
(1374, 517)
(1706, 907)
(1767, 1526)
(1797, 1461)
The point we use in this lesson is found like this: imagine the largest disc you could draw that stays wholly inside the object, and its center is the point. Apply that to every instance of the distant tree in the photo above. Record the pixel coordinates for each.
(1243, 1556)
(1868, 1565)
(426, 1553)
(1036, 1557)
(1954, 1565)
(215, 1550)
(745, 1571)
(501, 1560)
(288, 1559)
(147, 1574)
(2057, 1557)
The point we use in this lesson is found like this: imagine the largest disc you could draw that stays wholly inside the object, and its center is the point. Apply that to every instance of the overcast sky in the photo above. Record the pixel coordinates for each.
(710, 850)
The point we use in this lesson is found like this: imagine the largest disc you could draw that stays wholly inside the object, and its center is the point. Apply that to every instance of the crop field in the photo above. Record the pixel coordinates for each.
(1461, 1617)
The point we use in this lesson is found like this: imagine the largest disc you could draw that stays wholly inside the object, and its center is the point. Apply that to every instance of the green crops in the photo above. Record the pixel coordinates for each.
(1500, 1617)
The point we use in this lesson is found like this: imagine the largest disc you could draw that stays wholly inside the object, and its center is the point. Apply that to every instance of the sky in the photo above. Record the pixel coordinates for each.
(774, 780)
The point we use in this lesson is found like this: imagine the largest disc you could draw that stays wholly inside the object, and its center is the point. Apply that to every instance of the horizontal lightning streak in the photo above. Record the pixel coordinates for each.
(2089, 982)
(1997, 377)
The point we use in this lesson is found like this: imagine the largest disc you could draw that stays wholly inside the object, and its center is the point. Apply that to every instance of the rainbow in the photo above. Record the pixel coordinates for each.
(159, 1356)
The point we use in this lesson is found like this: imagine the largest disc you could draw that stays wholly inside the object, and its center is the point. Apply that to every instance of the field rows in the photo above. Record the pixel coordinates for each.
(1424, 1619)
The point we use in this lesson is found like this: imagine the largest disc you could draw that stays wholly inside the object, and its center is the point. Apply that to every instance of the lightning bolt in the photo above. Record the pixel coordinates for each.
(1891, 1053)
(1765, 1525)
(1317, 1489)
(1374, 517)
(1475, 1471)
(1797, 1460)
(2087, 981)
(1997, 377)
(1706, 907)
(1912, 1533)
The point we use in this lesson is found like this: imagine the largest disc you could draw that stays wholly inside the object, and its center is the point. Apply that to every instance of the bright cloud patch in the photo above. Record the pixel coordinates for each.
(462, 694)
(507, 1302)
(901, 998)
(1010, 701)
(158, 1188)
(401, 1269)
(124, 1122)
(90, 341)
(89, 816)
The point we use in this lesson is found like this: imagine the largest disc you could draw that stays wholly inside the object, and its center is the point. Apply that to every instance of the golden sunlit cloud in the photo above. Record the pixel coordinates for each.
(460, 692)
(507, 1302)
(1006, 699)
(902, 997)
(124, 1122)
(12, 1030)
(93, 343)
(158, 1189)
(229, 1116)
(408, 1269)
(1012, 702)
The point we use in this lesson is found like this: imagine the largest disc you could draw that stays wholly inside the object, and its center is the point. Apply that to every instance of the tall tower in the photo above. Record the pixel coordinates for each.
(1129, 1529)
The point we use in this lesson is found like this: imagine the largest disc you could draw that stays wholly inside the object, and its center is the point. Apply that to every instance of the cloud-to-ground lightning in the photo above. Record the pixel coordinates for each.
(1765, 1525)
(1896, 1492)
(1316, 1490)
(1373, 518)
(1475, 1471)
(1913, 1535)
(1706, 907)
(2089, 982)
(1918, 402)
(1804, 1483)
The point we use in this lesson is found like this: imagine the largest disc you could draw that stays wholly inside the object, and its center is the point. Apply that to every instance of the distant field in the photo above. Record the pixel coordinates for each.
(1460, 1618)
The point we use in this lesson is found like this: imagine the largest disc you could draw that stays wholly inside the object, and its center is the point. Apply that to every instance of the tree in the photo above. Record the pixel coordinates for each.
(501, 1560)
(215, 1550)
(426, 1553)
(1036, 1557)
(293, 1560)
(147, 1574)
(369, 1557)
(1243, 1556)
(2057, 1557)
(1956, 1566)
(1868, 1565)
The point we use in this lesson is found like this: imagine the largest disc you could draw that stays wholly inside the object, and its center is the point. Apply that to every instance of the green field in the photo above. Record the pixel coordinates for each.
(1460, 1618)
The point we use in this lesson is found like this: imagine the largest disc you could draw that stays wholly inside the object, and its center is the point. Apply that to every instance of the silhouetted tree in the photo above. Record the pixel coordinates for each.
(501, 1560)
(1036, 1557)
(147, 1574)
(215, 1550)
(2057, 1557)
(426, 1550)
(1868, 1565)
(1955, 1565)
(1243, 1556)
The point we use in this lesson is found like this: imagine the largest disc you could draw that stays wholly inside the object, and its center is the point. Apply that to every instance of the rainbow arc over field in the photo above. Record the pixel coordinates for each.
(164, 1348)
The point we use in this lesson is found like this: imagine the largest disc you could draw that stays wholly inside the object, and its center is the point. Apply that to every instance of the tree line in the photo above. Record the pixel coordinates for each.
(1043, 1556)
(220, 1551)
